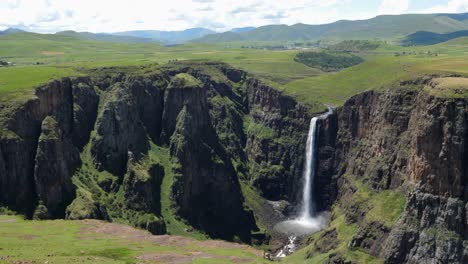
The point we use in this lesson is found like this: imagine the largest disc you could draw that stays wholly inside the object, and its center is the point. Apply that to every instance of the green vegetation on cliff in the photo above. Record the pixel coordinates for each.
(336, 241)
(174, 224)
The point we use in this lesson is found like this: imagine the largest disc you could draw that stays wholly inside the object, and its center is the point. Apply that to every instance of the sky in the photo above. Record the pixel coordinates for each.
(49, 16)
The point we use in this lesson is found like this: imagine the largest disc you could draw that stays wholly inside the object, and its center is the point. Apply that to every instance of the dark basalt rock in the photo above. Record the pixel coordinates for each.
(85, 108)
(22, 128)
(370, 237)
(56, 159)
(327, 241)
(206, 189)
(118, 131)
(142, 189)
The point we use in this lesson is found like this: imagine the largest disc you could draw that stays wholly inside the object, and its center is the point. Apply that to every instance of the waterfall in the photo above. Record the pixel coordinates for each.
(308, 202)
(308, 221)
(308, 210)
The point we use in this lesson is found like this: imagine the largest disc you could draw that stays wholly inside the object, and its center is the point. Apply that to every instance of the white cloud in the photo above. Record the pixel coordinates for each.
(119, 15)
(453, 6)
(393, 7)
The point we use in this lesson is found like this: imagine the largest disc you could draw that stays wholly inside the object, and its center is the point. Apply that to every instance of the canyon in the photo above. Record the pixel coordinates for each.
(222, 152)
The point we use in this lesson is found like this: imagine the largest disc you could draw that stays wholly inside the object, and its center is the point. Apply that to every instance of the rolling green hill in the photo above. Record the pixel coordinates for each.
(429, 38)
(389, 27)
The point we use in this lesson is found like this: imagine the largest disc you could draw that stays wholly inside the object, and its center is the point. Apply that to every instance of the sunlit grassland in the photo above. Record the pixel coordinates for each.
(60, 56)
(380, 71)
(65, 241)
(68, 56)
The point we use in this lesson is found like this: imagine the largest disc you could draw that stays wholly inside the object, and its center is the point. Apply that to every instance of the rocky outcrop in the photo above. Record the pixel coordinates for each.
(431, 228)
(370, 237)
(56, 159)
(118, 131)
(21, 128)
(206, 189)
(85, 109)
(142, 188)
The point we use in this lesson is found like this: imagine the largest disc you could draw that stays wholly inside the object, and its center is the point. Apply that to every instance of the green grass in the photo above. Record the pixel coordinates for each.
(17, 81)
(187, 80)
(63, 241)
(375, 73)
(386, 207)
(449, 87)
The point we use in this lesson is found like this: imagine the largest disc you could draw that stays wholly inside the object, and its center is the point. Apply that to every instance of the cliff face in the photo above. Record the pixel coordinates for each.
(402, 142)
(275, 141)
(87, 147)
(19, 143)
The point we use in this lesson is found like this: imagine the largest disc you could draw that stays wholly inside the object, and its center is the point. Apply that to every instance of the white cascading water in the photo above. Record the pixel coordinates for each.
(308, 204)
(308, 221)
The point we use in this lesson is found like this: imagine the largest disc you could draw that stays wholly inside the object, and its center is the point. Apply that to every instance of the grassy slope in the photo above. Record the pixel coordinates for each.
(382, 69)
(63, 241)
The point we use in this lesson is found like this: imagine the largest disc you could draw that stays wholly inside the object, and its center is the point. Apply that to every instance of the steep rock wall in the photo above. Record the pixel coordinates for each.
(401, 141)
(275, 142)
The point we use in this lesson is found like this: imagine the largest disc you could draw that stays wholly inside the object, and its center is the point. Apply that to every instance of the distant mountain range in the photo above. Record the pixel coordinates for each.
(409, 29)
(141, 36)
(168, 37)
(242, 29)
(11, 31)
(105, 37)
(389, 27)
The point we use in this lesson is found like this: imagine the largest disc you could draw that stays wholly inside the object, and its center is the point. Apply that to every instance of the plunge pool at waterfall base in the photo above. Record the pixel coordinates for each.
(303, 225)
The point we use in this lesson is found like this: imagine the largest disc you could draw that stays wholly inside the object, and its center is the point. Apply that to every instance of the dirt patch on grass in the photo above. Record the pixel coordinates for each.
(8, 221)
(28, 237)
(174, 258)
(170, 258)
(52, 53)
(130, 233)
(93, 227)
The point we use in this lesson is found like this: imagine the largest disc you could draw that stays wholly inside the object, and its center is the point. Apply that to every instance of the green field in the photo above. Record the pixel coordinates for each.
(40, 58)
(92, 241)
